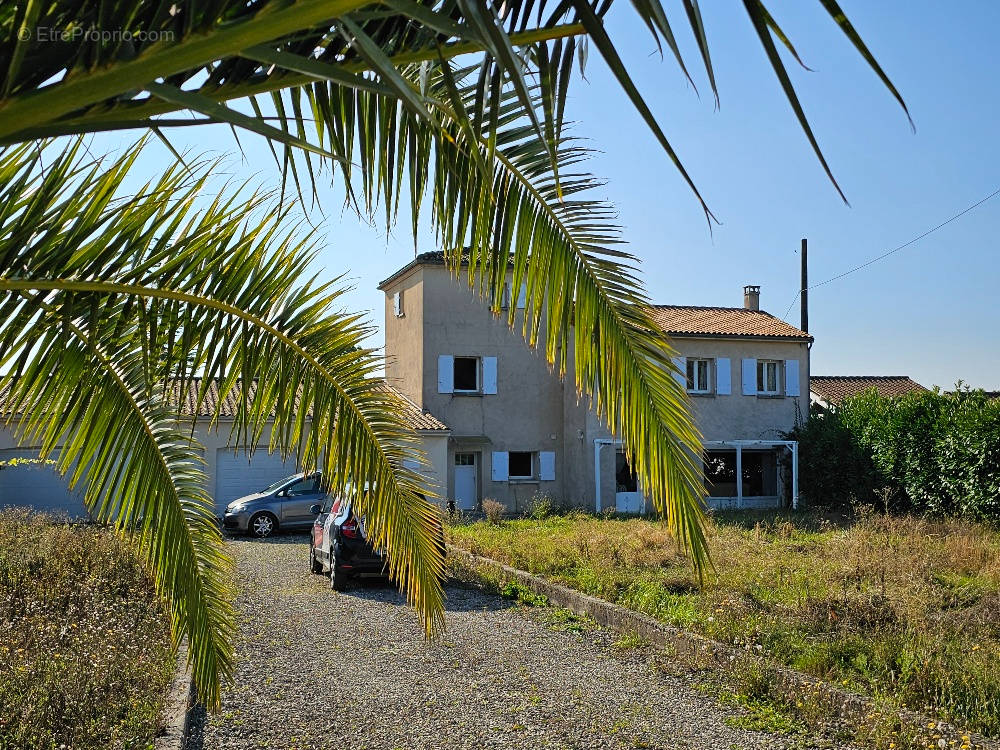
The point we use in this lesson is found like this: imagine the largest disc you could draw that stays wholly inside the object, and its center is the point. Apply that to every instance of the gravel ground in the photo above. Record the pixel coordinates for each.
(318, 669)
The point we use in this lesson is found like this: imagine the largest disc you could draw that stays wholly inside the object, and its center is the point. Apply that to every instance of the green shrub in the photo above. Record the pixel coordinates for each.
(541, 507)
(833, 467)
(931, 452)
(84, 641)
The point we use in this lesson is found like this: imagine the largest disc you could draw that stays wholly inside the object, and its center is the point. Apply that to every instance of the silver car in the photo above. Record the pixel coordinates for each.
(286, 504)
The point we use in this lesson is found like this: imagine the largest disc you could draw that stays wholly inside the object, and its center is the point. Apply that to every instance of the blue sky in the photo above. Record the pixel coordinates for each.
(929, 311)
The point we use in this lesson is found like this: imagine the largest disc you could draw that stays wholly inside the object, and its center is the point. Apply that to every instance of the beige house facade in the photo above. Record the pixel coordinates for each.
(515, 431)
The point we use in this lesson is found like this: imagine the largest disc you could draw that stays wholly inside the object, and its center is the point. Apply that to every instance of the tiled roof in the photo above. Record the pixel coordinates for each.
(189, 406)
(835, 388)
(417, 418)
(683, 320)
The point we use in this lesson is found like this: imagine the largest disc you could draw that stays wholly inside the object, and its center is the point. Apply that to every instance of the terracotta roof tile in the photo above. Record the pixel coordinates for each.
(682, 320)
(835, 388)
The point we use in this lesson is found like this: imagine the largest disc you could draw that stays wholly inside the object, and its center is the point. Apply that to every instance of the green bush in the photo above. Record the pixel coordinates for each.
(936, 452)
(84, 641)
(833, 467)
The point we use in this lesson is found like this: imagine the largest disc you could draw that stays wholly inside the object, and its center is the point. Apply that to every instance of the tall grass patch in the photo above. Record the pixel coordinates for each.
(84, 641)
(904, 609)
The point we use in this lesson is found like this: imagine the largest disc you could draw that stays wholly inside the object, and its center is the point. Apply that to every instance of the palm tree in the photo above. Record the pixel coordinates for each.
(108, 296)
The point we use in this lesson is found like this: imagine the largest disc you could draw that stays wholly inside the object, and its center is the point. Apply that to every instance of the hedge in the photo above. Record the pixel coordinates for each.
(930, 452)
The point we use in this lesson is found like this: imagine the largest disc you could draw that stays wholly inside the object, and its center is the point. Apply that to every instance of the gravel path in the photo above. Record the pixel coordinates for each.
(318, 669)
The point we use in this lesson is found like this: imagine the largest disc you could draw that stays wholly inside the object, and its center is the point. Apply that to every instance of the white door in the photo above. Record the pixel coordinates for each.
(466, 481)
(628, 499)
(235, 477)
(38, 486)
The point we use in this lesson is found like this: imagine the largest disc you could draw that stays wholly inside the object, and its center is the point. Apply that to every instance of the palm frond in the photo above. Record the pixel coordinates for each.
(207, 54)
(163, 290)
(499, 206)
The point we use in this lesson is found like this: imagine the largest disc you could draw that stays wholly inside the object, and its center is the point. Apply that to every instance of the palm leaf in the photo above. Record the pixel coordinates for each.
(165, 291)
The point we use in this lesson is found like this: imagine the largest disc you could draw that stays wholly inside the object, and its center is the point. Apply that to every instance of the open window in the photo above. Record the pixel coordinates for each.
(466, 374)
(520, 465)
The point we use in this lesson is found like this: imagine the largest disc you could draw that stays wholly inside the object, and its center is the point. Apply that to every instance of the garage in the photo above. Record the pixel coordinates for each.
(37, 486)
(235, 476)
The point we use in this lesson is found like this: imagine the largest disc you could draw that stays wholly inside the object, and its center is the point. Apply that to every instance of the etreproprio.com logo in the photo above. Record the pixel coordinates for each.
(92, 34)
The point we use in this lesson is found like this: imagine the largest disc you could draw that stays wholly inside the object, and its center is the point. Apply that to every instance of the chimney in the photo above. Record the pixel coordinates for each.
(751, 297)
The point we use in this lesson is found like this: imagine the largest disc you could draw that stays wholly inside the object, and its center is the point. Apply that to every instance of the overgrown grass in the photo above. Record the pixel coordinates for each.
(901, 608)
(84, 643)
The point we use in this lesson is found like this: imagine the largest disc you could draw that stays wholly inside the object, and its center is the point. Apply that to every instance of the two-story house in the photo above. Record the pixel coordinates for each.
(516, 430)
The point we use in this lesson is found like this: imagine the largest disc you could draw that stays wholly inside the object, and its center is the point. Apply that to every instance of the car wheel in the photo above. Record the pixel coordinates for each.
(315, 566)
(338, 578)
(263, 525)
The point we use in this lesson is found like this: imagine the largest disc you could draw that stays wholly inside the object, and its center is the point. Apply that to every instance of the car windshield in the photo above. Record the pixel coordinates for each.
(279, 484)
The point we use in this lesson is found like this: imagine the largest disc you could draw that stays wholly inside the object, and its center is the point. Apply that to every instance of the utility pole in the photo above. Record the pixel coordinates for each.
(804, 320)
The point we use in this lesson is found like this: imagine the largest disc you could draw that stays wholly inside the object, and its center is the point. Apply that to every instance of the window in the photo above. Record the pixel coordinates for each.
(768, 377)
(505, 296)
(698, 375)
(397, 303)
(760, 474)
(625, 479)
(520, 465)
(465, 459)
(467, 374)
(720, 473)
(305, 486)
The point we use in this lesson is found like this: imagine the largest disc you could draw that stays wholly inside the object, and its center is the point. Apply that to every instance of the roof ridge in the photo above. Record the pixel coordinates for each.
(860, 377)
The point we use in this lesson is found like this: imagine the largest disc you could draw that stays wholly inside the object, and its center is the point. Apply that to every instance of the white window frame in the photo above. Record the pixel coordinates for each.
(479, 375)
(691, 383)
(533, 457)
(762, 365)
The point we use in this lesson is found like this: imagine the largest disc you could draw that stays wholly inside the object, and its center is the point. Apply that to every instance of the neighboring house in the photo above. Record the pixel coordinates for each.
(516, 430)
(829, 390)
(230, 473)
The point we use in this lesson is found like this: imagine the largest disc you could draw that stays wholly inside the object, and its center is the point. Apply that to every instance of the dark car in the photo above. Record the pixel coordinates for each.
(339, 545)
(286, 504)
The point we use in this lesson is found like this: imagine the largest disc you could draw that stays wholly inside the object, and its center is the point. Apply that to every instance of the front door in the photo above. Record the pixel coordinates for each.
(466, 481)
(299, 498)
(628, 499)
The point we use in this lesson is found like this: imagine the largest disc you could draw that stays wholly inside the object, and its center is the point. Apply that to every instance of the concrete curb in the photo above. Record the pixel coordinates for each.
(177, 708)
(699, 650)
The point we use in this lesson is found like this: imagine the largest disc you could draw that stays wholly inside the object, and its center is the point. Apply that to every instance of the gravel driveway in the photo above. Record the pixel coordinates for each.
(318, 669)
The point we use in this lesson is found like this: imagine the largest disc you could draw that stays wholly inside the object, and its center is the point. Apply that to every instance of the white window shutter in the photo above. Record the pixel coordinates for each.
(681, 375)
(522, 296)
(397, 304)
(446, 373)
(499, 470)
(489, 375)
(749, 377)
(723, 377)
(791, 377)
(547, 466)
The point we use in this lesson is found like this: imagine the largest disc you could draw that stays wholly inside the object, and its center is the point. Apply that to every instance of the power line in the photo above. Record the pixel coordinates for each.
(905, 245)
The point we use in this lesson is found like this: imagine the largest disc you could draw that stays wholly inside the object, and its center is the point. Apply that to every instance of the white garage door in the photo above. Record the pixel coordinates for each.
(38, 486)
(234, 477)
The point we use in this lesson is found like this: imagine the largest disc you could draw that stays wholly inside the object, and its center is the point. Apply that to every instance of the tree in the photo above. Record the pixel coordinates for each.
(461, 101)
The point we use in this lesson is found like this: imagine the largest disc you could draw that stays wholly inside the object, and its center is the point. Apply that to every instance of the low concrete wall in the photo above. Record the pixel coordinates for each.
(177, 708)
(697, 649)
